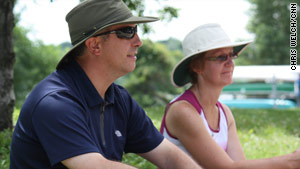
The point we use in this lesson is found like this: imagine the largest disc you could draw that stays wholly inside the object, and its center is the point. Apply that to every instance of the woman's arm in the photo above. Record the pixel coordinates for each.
(184, 122)
(234, 148)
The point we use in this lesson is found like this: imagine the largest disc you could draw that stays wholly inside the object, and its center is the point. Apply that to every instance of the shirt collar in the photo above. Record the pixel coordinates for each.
(86, 87)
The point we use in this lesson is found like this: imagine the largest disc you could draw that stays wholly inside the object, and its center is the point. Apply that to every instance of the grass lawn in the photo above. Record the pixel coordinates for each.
(267, 133)
(263, 133)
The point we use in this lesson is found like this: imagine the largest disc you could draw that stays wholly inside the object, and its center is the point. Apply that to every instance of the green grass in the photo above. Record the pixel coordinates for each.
(267, 133)
(155, 113)
(263, 133)
(5, 140)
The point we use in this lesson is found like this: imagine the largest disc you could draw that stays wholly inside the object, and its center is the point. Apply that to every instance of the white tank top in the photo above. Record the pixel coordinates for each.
(220, 135)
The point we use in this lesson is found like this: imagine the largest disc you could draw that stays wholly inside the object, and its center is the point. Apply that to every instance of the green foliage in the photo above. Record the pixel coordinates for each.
(137, 161)
(152, 75)
(34, 61)
(16, 115)
(246, 57)
(173, 45)
(263, 132)
(5, 140)
(166, 13)
(270, 21)
(267, 133)
(155, 113)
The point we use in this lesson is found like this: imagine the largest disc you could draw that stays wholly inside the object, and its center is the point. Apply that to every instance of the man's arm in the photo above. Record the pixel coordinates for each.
(167, 156)
(93, 161)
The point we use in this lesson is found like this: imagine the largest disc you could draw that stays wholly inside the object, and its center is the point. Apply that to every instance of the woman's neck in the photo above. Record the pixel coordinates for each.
(208, 96)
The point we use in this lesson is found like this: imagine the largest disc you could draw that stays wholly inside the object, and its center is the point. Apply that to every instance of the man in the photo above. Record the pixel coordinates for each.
(77, 117)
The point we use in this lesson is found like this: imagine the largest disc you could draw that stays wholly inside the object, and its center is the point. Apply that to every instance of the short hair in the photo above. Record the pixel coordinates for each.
(78, 51)
(196, 62)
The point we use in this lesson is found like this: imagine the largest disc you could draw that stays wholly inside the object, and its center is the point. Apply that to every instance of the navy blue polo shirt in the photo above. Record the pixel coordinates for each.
(64, 116)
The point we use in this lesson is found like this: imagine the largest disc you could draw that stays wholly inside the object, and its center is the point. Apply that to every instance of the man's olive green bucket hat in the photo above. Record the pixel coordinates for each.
(92, 16)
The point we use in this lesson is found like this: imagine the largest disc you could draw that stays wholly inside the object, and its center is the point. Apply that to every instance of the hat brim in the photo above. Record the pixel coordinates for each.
(180, 74)
(131, 20)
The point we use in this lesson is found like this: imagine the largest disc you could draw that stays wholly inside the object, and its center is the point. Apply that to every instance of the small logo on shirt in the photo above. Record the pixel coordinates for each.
(118, 133)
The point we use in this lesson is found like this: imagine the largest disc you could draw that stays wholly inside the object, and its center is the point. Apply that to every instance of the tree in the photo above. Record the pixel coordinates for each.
(172, 44)
(166, 13)
(34, 61)
(7, 58)
(270, 21)
(152, 75)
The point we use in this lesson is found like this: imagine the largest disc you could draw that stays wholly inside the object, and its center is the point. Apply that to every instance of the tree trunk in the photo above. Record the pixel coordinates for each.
(7, 59)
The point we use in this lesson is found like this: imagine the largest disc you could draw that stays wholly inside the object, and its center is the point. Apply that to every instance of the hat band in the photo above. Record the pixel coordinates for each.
(85, 34)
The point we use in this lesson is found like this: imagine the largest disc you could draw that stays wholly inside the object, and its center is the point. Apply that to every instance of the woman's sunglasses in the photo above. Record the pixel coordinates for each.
(223, 57)
(122, 33)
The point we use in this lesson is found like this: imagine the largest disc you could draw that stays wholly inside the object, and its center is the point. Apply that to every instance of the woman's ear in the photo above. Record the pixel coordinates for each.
(93, 45)
(197, 65)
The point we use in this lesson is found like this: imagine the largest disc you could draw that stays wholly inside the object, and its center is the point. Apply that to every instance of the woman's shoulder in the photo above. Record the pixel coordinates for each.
(182, 119)
(180, 109)
(181, 106)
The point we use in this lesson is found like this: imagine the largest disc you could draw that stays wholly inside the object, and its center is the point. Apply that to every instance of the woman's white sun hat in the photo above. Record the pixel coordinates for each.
(203, 38)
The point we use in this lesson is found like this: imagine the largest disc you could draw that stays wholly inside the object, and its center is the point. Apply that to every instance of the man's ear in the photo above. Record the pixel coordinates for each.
(93, 45)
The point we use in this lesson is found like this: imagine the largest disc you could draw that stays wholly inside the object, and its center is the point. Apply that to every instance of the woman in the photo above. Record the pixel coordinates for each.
(196, 121)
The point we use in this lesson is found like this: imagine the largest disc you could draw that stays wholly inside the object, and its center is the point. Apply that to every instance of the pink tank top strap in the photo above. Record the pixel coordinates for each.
(187, 96)
(220, 105)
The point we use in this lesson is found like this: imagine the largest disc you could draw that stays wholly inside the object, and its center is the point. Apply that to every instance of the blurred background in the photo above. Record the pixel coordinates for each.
(41, 26)
(34, 36)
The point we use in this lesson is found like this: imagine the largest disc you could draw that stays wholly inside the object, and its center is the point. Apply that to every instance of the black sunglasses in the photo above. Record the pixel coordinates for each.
(223, 57)
(122, 33)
